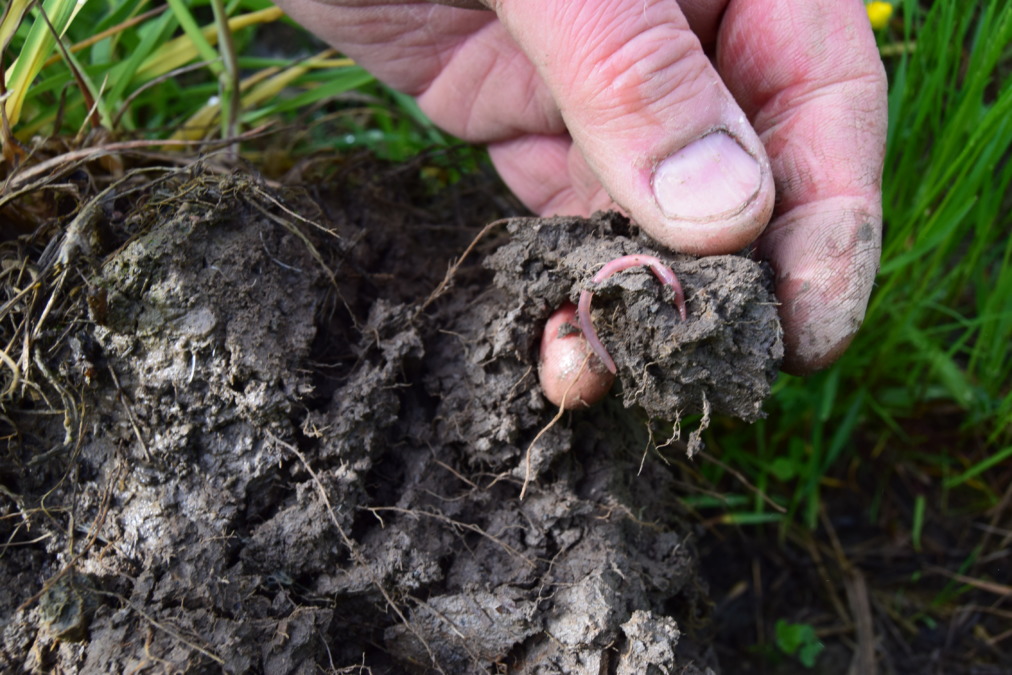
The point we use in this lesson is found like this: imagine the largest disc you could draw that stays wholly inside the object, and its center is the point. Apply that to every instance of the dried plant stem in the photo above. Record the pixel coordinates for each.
(558, 416)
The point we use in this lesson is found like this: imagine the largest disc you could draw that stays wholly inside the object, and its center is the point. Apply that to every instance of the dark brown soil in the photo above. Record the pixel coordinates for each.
(263, 430)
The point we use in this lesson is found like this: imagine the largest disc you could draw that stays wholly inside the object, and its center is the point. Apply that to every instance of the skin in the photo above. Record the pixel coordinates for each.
(689, 116)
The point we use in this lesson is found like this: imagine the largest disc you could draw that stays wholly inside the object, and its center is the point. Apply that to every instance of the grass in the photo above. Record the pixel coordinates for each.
(915, 420)
(936, 339)
(902, 448)
(173, 71)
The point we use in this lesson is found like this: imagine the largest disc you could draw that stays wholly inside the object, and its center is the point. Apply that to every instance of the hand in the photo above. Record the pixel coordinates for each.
(683, 114)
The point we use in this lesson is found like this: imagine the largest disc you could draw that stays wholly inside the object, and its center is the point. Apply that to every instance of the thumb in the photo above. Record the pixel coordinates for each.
(651, 116)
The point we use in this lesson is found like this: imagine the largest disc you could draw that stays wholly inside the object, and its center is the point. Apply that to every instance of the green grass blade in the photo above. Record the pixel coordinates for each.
(36, 50)
(196, 36)
(980, 467)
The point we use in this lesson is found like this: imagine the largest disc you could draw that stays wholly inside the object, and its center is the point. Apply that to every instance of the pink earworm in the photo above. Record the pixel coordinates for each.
(660, 270)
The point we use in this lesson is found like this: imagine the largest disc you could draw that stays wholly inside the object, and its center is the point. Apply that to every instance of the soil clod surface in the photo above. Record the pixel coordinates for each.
(255, 429)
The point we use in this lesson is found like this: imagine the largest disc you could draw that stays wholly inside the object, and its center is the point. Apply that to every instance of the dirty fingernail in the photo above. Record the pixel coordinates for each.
(711, 178)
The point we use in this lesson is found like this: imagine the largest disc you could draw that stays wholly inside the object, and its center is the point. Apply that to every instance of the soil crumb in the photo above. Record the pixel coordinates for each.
(250, 436)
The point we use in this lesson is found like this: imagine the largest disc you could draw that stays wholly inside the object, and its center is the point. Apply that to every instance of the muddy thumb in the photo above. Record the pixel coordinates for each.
(651, 116)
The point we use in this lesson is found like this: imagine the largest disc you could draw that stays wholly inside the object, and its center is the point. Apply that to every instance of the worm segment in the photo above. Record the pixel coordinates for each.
(660, 270)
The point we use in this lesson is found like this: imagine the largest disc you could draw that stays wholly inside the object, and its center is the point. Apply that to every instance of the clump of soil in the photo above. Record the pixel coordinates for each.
(254, 430)
(722, 358)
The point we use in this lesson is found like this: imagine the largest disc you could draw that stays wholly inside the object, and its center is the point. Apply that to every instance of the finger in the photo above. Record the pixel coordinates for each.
(650, 115)
(463, 4)
(468, 74)
(702, 15)
(488, 90)
(810, 77)
(549, 175)
(571, 376)
(704, 18)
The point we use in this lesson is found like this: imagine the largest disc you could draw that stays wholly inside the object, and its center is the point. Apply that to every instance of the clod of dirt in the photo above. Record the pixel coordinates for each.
(721, 360)
(290, 454)
(66, 608)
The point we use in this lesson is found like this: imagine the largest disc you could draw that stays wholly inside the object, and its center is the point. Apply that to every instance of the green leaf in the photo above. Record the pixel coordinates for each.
(784, 468)
(798, 640)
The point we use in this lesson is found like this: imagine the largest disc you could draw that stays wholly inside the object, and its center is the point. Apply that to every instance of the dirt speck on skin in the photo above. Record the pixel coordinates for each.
(289, 457)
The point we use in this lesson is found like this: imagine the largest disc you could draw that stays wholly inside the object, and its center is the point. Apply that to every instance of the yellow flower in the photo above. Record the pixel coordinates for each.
(879, 13)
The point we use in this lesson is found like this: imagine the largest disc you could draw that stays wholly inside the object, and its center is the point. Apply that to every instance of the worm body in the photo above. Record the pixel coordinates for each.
(660, 270)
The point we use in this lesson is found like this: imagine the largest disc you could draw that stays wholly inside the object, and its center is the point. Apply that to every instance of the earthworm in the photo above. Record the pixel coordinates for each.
(660, 270)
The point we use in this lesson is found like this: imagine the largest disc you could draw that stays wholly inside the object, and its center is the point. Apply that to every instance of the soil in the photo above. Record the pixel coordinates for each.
(255, 428)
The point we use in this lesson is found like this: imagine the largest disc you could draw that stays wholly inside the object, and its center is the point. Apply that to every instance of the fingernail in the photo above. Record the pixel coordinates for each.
(711, 178)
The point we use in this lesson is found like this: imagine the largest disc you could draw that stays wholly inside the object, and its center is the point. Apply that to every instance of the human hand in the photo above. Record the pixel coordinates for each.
(594, 104)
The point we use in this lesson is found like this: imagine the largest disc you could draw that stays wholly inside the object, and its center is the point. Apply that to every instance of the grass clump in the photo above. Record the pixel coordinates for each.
(192, 70)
